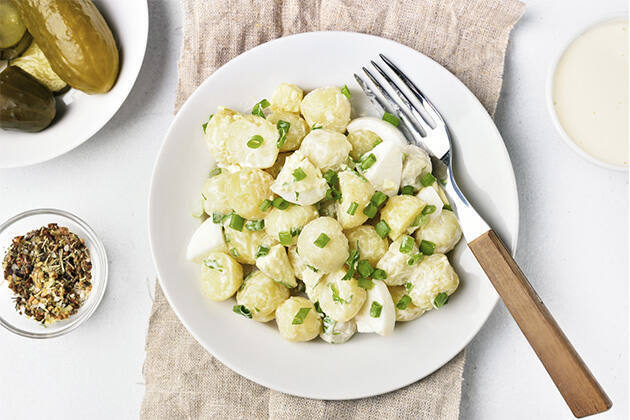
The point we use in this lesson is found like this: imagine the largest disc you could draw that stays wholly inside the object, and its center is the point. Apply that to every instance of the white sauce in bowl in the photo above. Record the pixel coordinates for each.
(590, 91)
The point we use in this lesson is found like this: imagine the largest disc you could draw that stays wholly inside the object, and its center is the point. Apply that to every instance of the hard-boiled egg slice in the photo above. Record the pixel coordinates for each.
(386, 131)
(430, 196)
(385, 172)
(379, 301)
(207, 238)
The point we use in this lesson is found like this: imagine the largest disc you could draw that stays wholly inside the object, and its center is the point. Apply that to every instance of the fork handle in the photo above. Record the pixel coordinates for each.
(576, 383)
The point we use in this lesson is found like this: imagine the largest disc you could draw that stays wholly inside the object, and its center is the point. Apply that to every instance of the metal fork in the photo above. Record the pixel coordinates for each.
(425, 127)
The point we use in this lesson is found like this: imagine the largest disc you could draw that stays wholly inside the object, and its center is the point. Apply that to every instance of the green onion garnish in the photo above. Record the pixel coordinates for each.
(258, 108)
(331, 177)
(370, 210)
(378, 198)
(280, 203)
(262, 251)
(236, 222)
(440, 300)
(379, 274)
(283, 129)
(409, 286)
(300, 316)
(313, 269)
(407, 190)
(447, 207)
(377, 142)
(214, 172)
(415, 259)
(217, 218)
(427, 247)
(333, 194)
(299, 174)
(345, 91)
(234, 252)
(255, 142)
(364, 268)
(318, 308)
(367, 161)
(321, 240)
(407, 244)
(328, 325)
(335, 295)
(382, 229)
(316, 127)
(242, 310)
(365, 283)
(375, 309)
(354, 256)
(428, 209)
(264, 206)
(204, 125)
(390, 118)
(285, 238)
(353, 208)
(404, 302)
(255, 225)
(213, 264)
(427, 179)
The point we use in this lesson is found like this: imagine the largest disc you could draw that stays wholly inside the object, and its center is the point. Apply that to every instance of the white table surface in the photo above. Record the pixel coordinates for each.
(573, 245)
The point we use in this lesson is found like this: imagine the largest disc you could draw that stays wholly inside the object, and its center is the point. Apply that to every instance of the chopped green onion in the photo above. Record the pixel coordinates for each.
(295, 231)
(335, 295)
(379, 274)
(409, 286)
(427, 179)
(204, 125)
(255, 225)
(353, 208)
(375, 309)
(299, 174)
(364, 268)
(280, 203)
(315, 270)
(428, 209)
(262, 251)
(316, 127)
(258, 108)
(345, 91)
(415, 259)
(318, 308)
(365, 283)
(377, 142)
(283, 129)
(427, 247)
(382, 229)
(204, 196)
(391, 118)
(331, 177)
(213, 265)
(234, 252)
(333, 194)
(367, 161)
(447, 207)
(404, 302)
(214, 172)
(236, 222)
(321, 240)
(242, 310)
(440, 300)
(328, 324)
(217, 218)
(407, 244)
(354, 256)
(285, 238)
(264, 206)
(255, 142)
(370, 210)
(407, 190)
(378, 198)
(420, 220)
(300, 316)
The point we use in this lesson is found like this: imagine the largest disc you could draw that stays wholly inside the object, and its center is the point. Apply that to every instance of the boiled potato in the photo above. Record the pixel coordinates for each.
(262, 296)
(243, 245)
(333, 254)
(287, 97)
(432, 276)
(327, 108)
(400, 212)
(371, 246)
(356, 193)
(305, 190)
(248, 188)
(335, 332)
(277, 266)
(228, 134)
(443, 231)
(327, 149)
(298, 320)
(303, 271)
(396, 263)
(416, 164)
(405, 309)
(291, 220)
(362, 141)
(221, 276)
(340, 299)
(298, 129)
(215, 193)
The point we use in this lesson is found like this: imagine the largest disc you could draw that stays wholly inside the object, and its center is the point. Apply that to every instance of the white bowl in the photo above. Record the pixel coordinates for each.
(549, 92)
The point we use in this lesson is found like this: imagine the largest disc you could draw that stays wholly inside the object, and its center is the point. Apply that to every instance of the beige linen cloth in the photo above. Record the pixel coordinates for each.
(468, 37)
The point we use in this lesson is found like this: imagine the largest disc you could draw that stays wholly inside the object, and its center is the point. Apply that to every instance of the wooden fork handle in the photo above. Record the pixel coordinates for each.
(576, 383)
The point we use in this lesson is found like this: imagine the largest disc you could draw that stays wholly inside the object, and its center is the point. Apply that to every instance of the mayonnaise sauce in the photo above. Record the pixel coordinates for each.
(590, 91)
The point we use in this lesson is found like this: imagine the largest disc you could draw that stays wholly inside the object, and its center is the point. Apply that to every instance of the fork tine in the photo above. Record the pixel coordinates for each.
(424, 101)
(373, 97)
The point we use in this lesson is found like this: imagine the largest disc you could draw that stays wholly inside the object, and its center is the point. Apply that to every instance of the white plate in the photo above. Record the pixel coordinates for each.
(81, 115)
(368, 364)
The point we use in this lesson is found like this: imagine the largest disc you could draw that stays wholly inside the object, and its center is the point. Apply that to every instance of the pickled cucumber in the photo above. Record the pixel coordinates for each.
(34, 62)
(14, 51)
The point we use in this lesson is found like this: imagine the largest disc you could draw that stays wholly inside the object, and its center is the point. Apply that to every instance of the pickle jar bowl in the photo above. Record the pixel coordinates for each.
(31, 220)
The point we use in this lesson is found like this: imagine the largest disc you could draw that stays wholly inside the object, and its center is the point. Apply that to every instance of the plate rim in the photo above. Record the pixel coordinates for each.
(318, 395)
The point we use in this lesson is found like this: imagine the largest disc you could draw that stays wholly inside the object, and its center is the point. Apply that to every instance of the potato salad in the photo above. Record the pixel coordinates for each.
(326, 224)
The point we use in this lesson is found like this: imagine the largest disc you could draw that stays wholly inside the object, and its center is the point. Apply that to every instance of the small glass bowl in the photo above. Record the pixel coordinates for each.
(34, 219)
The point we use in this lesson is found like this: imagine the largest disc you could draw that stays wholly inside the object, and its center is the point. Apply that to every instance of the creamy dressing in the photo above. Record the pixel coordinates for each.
(590, 91)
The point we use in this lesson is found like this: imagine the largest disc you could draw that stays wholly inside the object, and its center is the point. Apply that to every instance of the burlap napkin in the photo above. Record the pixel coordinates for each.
(468, 37)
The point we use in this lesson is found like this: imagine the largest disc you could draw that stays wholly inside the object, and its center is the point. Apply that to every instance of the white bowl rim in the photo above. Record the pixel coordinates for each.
(607, 17)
